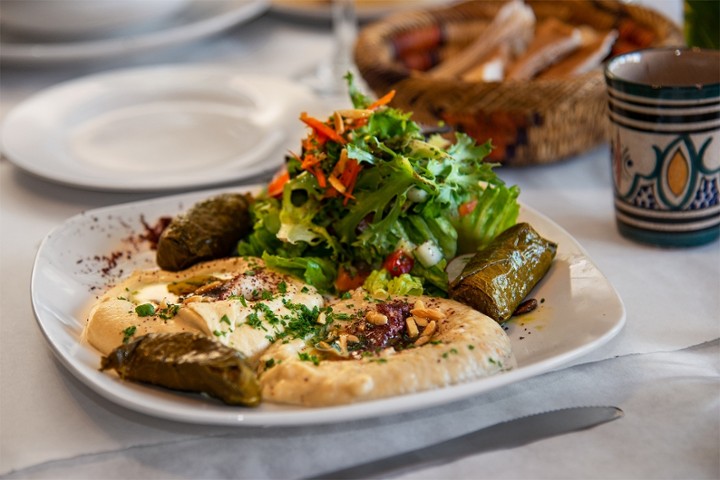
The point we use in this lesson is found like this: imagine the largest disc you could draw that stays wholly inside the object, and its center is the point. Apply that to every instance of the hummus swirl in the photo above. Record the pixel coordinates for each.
(463, 345)
(238, 301)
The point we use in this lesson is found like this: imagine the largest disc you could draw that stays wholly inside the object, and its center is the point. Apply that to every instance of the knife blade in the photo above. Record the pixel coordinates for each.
(510, 434)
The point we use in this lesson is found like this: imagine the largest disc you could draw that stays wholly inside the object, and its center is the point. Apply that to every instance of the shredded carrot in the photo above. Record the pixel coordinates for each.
(312, 142)
(310, 160)
(320, 175)
(349, 177)
(321, 128)
(348, 197)
(277, 184)
(384, 100)
(345, 281)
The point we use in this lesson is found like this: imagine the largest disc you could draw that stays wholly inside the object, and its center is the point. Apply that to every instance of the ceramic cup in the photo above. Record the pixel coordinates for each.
(664, 108)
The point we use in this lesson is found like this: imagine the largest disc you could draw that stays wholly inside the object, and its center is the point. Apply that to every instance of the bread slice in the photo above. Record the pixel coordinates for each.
(513, 22)
(553, 40)
(596, 46)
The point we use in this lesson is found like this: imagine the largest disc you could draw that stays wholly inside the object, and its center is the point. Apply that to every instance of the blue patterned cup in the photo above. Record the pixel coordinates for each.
(664, 108)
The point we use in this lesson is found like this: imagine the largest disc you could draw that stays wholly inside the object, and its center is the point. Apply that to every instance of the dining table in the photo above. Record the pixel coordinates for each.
(661, 368)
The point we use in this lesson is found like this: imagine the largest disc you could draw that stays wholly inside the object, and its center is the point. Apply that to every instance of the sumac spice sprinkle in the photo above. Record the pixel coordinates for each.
(109, 261)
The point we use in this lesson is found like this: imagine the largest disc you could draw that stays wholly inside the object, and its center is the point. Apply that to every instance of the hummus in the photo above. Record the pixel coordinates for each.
(379, 349)
(307, 351)
(237, 301)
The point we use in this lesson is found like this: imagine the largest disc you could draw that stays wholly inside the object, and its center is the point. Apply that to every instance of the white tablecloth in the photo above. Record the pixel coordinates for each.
(663, 369)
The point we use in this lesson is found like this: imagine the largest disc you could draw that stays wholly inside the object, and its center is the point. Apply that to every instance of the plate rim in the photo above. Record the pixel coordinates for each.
(224, 415)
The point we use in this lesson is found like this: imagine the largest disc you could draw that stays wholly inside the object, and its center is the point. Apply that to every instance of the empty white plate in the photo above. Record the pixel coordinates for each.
(157, 128)
(200, 19)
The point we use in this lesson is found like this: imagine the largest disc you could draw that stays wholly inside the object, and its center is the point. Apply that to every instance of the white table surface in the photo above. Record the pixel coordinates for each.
(663, 369)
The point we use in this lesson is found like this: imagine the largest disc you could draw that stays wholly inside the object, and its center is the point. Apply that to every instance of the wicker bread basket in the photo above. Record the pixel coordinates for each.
(529, 122)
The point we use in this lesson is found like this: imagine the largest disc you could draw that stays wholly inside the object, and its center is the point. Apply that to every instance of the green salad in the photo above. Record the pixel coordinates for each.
(369, 200)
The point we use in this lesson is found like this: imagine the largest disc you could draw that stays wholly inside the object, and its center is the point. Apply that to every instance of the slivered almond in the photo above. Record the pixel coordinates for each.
(412, 328)
(421, 341)
(322, 318)
(339, 124)
(352, 338)
(376, 318)
(430, 329)
(355, 113)
(343, 344)
(342, 161)
(193, 298)
(337, 184)
(324, 345)
(429, 313)
(420, 321)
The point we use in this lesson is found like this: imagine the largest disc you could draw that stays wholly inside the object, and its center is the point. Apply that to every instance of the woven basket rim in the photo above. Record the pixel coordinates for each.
(381, 29)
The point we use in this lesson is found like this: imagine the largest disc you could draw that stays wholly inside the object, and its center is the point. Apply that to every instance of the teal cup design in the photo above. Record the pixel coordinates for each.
(664, 109)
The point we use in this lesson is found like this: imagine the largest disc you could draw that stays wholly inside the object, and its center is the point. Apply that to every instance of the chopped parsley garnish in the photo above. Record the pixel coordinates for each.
(267, 312)
(306, 357)
(495, 362)
(225, 319)
(452, 350)
(254, 321)
(128, 333)
(301, 322)
(282, 287)
(168, 312)
(145, 310)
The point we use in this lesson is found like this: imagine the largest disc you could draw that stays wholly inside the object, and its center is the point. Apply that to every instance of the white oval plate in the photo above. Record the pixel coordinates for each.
(157, 128)
(202, 18)
(579, 311)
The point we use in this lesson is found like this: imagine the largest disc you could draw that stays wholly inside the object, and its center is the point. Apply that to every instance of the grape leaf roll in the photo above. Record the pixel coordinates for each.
(498, 277)
(209, 229)
(188, 362)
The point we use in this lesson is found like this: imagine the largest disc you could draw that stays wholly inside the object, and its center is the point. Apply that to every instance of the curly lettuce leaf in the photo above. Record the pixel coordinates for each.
(380, 284)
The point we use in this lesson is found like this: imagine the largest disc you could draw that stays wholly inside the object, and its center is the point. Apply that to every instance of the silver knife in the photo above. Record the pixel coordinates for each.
(513, 433)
